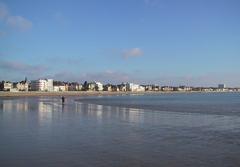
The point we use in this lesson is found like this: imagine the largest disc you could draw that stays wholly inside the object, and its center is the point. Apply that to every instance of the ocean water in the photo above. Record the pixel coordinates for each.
(199, 129)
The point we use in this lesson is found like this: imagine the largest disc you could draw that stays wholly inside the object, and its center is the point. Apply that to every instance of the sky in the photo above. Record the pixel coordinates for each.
(165, 42)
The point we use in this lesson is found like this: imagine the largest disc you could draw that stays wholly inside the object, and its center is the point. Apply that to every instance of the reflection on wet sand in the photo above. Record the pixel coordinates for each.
(107, 112)
(14, 105)
(46, 108)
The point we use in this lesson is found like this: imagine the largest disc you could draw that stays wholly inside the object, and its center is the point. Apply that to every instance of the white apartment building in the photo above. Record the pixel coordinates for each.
(99, 86)
(22, 86)
(50, 85)
(6, 86)
(135, 87)
(61, 88)
(42, 85)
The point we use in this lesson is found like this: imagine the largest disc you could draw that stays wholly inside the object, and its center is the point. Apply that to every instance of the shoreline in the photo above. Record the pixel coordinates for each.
(93, 93)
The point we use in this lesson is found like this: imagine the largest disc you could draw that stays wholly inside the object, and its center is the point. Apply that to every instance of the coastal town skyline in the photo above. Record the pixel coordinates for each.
(140, 41)
(50, 85)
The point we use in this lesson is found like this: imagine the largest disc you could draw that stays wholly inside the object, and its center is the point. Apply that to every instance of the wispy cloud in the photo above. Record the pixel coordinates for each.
(19, 67)
(19, 22)
(14, 21)
(133, 52)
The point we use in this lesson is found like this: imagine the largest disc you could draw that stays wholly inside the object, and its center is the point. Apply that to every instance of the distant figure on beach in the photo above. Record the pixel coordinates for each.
(63, 99)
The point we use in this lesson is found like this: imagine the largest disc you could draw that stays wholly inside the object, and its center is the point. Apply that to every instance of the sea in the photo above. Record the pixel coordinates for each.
(158, 130)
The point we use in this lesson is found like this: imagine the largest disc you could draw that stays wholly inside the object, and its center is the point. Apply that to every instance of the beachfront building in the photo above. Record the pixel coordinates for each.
(59, 86)
(148, 87)
(115, 88)
(94, 86)
(182, 88)
(91, 86)
(80, 87)
(221, 86)
(50, 85)
(122, 87)
(111, 88)
(206, 89)
(135, 87)
(167, 88)
(99, 86)
(156, 88)
(42, 85)
(107, 87)
(152, 87)
(236, 89)
(197, 89)
(74, 86)
(55, 88)
(6, 86)
(22, 86)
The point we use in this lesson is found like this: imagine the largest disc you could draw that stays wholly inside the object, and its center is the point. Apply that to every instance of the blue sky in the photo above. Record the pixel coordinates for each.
(174, 42)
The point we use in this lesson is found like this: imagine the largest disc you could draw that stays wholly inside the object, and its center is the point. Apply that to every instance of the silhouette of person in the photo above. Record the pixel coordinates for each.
(63, 99)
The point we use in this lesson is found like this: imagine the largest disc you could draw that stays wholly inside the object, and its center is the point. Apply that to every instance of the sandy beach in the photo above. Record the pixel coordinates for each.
(90, 93)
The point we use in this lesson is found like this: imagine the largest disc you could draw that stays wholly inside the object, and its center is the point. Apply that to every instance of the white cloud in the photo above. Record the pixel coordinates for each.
(134, 52)
(14, 21)
(19, 22)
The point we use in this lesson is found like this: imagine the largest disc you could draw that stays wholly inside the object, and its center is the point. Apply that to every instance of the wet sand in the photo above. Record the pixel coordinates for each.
(180, 130)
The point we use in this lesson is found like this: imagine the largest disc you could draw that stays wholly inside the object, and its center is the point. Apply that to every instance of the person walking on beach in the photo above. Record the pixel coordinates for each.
(63, 99)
